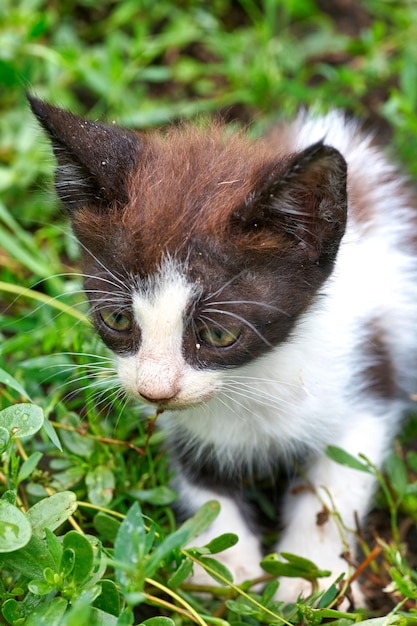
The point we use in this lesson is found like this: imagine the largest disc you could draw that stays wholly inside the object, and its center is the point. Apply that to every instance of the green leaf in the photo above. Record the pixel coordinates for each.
(100, 484)
(28, 466)
(40, 587)
(242, 607)
(4, 439)
(9, 381)
(54, 547)
(48, 614)
(22, 420)
(181, 574)
(51, 432)
(130, 548)
(269, 591)
(30, 560)
(109, 598)
(106, 526)
(295, 567)
(221, 543)
(170, 544)
(51, 512)
(217, 570)
(159, 496)
(11, 610)
(67, 562)
(158, 621)
(328, 596)
(201, 520)
(83, 556)
(15, 529)
(344, 458)
(397, 474)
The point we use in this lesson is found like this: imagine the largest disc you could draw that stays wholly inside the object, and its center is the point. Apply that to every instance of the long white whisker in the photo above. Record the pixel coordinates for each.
(260, 398)
(244, 321)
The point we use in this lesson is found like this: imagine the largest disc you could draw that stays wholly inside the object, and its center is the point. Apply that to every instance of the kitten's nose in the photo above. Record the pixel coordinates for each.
(156, 398)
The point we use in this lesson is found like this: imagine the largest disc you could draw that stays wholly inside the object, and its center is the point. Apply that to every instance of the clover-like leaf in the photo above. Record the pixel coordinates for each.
(15, 529)
(22, 420)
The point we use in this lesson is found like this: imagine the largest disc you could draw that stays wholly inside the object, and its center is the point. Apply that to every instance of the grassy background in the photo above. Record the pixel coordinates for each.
(145, 63)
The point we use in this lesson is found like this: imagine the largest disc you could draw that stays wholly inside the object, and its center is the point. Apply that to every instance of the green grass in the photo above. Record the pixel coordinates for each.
(81, 456)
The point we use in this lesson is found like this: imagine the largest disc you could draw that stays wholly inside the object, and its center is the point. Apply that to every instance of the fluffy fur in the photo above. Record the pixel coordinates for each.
(265, 302)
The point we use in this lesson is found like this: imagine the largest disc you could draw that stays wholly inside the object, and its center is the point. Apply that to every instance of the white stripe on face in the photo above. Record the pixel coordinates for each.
(158, 372)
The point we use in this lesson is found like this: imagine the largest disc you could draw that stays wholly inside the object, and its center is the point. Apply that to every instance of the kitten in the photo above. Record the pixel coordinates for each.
(263, 295)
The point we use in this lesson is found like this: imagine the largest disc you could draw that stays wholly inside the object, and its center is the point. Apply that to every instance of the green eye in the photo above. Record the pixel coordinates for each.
(115, 320)
(219, 337)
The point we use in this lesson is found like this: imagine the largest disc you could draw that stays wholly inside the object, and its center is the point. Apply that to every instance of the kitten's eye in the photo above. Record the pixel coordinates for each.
(219, 337)
(116, 320)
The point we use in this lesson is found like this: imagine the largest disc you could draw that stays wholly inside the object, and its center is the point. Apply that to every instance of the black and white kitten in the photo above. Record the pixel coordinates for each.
(263, 294)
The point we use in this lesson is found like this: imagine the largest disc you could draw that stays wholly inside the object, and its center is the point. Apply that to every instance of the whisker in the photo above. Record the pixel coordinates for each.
(259, 397)
(213, 294)
(244, 321)
(257, 302)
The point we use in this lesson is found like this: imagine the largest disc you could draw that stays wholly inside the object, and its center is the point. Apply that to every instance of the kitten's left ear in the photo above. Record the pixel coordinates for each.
(304, 200)
(94, 159)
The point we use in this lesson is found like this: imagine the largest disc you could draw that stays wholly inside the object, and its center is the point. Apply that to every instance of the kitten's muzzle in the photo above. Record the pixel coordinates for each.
(156, 399)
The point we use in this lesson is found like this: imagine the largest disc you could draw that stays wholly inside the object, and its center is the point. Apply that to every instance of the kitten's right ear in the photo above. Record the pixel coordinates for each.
(94, 160)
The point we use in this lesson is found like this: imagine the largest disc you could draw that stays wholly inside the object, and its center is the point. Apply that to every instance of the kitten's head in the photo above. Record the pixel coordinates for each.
(201, 248)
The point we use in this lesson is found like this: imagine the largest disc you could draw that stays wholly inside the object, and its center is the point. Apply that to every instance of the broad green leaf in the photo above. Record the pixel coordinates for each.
(51, 512)
(130, 548)
(9, 381)
(30, 560)
(109, 598)
(158, 621)
(28, 466)
(201, 520)
(4, 439)
(11, 610)
(181, 574)
(106, 526)
(75, 442)
(159, 496)
(100, 484)
(40, 587)
(83, 556)
(227, 540)
(54, 546)
(48, 614)
(344, 458)
(67, 562)
(217, 570)
(22, 420)
(15, 529)
(397, 474)
(295, 567)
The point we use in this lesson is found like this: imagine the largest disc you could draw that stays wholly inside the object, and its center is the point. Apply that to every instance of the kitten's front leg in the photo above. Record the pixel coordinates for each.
(241, 559)
(345, 491)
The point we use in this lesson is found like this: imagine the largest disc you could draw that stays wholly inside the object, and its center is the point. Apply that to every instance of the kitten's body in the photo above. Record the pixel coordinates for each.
(198, 239)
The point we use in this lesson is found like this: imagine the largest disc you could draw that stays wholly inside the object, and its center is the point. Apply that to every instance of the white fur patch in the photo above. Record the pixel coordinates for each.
(159, 372)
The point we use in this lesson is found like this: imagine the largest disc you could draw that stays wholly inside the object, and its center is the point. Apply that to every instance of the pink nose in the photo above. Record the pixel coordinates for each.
(156, 398)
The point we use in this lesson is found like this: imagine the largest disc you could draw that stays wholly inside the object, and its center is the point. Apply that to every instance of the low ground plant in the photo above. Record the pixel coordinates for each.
(87, 533)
